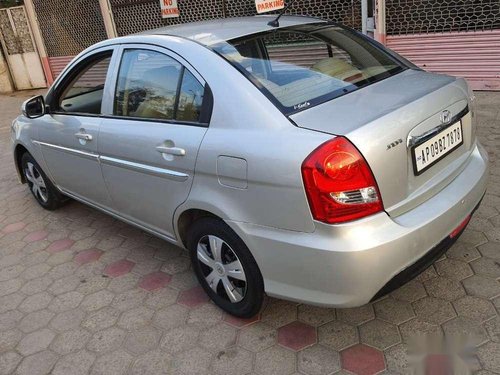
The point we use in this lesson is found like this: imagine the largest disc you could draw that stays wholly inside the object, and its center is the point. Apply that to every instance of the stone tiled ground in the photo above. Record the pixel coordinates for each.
(83, 293)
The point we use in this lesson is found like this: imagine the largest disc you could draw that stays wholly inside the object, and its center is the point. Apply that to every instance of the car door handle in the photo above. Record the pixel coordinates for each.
(84, 136)
(177, 151)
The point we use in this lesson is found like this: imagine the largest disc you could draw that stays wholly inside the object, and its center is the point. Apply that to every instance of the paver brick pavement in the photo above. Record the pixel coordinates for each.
(83, 293)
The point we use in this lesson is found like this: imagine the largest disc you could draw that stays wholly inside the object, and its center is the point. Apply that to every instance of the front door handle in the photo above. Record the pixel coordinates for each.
(177, 151)
(84, 136)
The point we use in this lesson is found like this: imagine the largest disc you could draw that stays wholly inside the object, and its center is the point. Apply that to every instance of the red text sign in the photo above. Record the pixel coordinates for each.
(264, 6)
(169, 8)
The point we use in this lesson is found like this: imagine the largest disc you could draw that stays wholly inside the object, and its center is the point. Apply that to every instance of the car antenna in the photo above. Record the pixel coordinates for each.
(276, 22)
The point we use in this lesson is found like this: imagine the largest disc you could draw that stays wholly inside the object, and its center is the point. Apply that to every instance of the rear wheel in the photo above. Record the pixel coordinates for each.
(225, 268)
(40, 186)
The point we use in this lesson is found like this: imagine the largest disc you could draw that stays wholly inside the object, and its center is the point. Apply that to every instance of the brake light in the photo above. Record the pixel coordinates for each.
(339, 184)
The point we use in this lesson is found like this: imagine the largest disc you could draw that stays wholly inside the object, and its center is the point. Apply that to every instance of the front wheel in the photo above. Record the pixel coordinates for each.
(45, 193)
(225, 267)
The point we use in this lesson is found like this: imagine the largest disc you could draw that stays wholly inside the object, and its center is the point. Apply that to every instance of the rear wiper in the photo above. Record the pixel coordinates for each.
(276, 22)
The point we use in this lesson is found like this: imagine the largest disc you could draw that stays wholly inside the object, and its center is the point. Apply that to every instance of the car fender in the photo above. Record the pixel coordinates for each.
(24, 132)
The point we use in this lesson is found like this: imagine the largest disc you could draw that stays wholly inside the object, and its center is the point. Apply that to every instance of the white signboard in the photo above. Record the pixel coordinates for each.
(169, 8)
(264, 6)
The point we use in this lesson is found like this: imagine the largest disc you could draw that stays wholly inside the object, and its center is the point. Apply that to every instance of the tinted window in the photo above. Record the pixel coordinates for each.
(147, 87)
(84, 93)
(305, 65)
(190, 98)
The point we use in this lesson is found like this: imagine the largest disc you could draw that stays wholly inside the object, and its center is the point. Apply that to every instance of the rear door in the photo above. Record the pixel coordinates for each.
(68, 136)
(151, 134)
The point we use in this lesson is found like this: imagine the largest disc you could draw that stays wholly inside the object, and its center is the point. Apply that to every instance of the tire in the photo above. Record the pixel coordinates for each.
(45, 193)
(215, 273)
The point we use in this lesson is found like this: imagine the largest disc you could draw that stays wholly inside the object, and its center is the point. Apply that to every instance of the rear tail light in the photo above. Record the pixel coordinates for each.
(339, 183)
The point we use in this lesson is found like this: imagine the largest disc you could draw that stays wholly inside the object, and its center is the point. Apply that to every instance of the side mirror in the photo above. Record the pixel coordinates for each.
(34, 107)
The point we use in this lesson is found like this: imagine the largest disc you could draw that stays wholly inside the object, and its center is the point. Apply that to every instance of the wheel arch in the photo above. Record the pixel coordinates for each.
(19, 151)
(187, 218)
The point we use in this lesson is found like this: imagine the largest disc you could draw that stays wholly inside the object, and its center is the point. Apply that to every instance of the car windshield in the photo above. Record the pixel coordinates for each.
(301, 66)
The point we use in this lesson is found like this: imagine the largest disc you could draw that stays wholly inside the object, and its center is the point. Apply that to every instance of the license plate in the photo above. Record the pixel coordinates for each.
(429, 152)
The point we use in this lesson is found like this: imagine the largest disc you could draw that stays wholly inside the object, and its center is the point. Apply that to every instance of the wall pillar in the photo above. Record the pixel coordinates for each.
(380, 31)
(107, 16)
(39, 43)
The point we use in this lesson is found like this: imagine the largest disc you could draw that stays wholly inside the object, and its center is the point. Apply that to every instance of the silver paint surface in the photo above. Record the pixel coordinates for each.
(120, 171)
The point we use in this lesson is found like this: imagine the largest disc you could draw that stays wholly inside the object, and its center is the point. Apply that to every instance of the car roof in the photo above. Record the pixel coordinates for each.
(214, 31)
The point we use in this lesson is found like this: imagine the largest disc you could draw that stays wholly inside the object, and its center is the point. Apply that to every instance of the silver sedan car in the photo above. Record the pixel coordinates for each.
(299, 159)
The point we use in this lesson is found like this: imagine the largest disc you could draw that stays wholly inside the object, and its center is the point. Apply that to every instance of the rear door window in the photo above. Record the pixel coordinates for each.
(152, 85)
(190, 99)
(147, 85)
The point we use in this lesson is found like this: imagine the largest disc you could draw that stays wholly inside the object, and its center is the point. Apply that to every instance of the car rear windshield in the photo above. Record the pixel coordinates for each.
(302, 66)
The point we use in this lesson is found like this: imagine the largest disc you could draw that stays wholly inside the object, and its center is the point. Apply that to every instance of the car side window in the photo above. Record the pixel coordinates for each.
(190, 98)
(152, 85)
(85, 91)
(147, 85)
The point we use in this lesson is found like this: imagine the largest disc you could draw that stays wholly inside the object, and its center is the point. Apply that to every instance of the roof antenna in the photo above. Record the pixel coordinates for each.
(276, 22)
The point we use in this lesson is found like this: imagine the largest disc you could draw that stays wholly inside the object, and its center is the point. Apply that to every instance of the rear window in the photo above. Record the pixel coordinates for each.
(305, 65)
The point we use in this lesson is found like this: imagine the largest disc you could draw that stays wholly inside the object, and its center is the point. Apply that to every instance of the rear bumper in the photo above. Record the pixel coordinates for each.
(422, 264)
(347, 265)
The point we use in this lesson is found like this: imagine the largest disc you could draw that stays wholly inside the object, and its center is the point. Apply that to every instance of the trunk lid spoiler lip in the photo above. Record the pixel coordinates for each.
(342, 115)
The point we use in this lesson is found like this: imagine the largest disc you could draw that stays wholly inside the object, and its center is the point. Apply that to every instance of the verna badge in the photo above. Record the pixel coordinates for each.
(394, 144)
(445, 117)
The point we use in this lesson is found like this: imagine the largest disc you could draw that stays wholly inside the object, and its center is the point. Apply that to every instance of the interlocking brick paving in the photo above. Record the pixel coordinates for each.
(296, 336)
(119, 268)
(81, 292)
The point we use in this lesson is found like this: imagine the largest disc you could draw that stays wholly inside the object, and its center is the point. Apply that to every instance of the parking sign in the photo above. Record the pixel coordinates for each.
(264, 6)
(169, 8)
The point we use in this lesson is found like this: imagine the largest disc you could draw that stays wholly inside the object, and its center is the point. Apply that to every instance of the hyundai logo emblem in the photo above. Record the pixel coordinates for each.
(445, 117)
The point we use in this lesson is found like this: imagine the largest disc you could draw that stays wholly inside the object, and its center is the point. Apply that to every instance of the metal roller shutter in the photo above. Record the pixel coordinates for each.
(474, 55)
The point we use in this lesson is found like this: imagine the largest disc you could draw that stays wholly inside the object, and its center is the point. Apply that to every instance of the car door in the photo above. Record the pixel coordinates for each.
(68, 136)
(151, 134)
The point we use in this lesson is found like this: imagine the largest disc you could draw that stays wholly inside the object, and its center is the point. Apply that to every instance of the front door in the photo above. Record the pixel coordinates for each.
(68, 136)
(149, 141)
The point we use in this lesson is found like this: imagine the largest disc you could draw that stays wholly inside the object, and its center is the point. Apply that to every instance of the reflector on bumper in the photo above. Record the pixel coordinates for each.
(460, 227)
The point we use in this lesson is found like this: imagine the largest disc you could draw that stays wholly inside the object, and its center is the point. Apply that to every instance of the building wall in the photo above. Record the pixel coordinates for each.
(466, 29)
(5, 81)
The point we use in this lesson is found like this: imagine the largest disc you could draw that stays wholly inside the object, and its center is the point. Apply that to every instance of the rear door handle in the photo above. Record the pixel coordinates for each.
(84, 136)
(177, 151)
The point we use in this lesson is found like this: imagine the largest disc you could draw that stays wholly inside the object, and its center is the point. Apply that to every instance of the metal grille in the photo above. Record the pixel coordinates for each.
(433, 16)
(68, 27)
(8, 34)
(15, 31)
(133, 16)
(347, 12)
(20, 20)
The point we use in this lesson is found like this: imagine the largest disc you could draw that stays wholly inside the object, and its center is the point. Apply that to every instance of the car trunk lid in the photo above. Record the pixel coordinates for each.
(381, 120)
